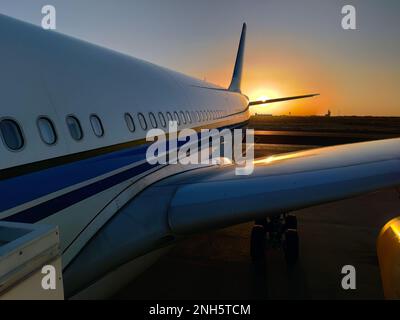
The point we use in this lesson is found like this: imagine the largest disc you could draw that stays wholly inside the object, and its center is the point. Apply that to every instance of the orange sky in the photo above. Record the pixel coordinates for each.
(262, 80)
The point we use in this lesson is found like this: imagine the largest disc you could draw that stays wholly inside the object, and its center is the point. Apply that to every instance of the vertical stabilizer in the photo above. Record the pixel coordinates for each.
(237, 72)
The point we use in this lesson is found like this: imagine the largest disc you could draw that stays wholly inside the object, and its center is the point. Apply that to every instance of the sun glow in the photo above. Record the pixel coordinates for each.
(262, 94)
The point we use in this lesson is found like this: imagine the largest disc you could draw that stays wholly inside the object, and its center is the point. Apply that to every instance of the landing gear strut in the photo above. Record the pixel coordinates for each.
(275, 232)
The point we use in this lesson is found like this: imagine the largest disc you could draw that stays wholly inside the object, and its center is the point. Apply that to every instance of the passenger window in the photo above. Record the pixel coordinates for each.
(129, 122)
(142, 121)
(188, 117)
(183, 118)
(153, 120)
(176, 118)
(12, 134)
(75, 128)
(162, 119)
(97, 126)
(198, 116)
(169, 116)
(47, 131)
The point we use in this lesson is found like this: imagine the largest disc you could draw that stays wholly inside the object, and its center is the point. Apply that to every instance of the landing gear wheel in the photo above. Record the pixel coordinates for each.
(291, 246)
(291, 222)
(257, 243)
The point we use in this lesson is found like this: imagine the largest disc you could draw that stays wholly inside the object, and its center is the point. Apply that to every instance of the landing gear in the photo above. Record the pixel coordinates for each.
(275, 232)
(257, 243)
(291, 246)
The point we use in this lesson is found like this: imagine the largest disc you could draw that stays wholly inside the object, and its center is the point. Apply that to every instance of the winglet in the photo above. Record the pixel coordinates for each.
(237, 72)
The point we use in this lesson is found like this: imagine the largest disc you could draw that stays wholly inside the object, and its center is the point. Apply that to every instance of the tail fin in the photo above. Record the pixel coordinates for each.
(237, 72)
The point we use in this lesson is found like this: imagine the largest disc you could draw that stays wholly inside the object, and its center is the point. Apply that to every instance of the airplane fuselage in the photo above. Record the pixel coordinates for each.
(73, 144)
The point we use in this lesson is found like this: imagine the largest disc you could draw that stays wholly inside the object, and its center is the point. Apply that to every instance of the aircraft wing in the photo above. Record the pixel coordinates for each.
(215, 197)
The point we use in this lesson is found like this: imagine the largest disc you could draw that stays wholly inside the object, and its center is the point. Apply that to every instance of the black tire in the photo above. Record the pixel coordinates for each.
(291, 246)
(291, 222)
(257, 243)
(263, 223)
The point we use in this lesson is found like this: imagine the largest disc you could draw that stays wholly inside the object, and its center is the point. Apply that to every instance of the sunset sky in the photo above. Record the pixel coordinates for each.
(294, 46)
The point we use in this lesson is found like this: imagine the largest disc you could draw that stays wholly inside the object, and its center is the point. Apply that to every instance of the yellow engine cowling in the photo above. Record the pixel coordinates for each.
(388, 249)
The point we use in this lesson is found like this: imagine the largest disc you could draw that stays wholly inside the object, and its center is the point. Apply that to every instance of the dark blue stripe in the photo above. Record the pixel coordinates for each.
(46, 209)
(22, 189)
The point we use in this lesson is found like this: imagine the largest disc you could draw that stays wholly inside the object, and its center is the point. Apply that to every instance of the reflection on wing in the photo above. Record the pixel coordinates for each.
(216, 197)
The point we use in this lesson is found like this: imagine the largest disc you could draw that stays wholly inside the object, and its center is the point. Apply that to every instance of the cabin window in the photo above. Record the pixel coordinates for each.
(142, 121)
(162, 119)
(12, 134)
(97, 126)
(75, 128)
(198, 116)
(193, 116)
(176, 118)
(129, 122)
(153, 120)
(183, 118)
(47, 131)
(188, 117)
(169, 116)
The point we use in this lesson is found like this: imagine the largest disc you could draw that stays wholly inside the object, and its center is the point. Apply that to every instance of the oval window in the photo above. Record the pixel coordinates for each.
(198, 116)
(162, 119)
(142, 121)
(193, 116)
(188, 117)
(183, 118)
(12, 134)
(153, 120)
(129, 122)
(97, 126)
(75, 128)
(169, 116)
(47, 131)
(176, 118)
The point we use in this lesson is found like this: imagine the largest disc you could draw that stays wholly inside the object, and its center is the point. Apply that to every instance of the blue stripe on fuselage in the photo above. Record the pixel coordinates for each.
(22, 189)
(19, 190)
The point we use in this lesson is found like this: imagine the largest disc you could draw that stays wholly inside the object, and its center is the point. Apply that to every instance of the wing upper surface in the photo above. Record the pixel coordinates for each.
(215, 197)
